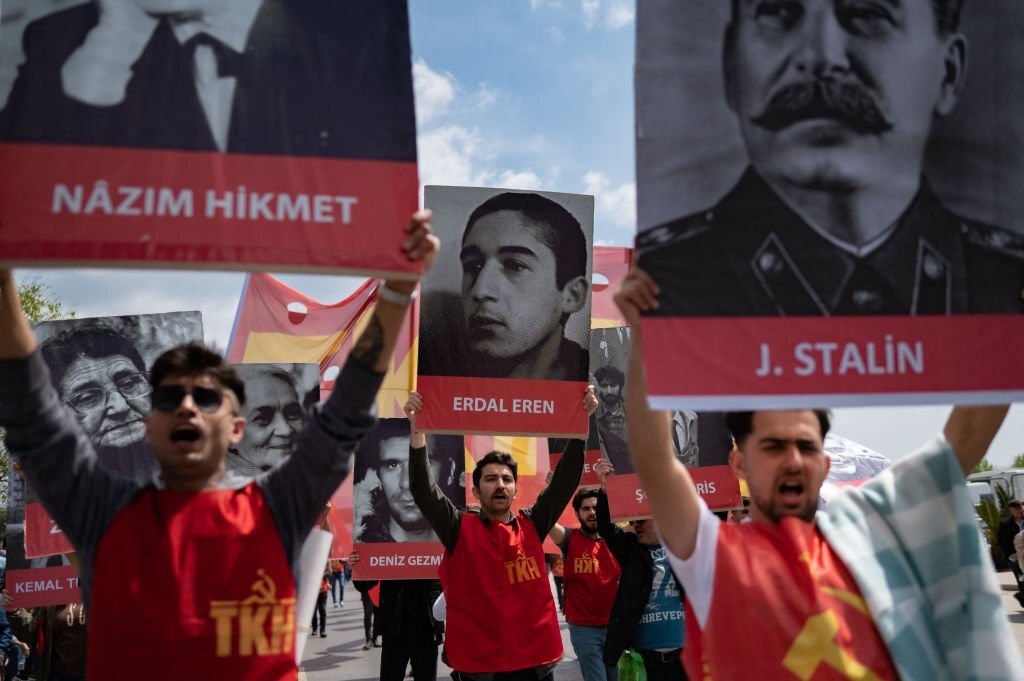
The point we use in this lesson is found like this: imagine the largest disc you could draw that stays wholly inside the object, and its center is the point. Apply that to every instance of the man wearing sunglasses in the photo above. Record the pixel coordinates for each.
(185, 578)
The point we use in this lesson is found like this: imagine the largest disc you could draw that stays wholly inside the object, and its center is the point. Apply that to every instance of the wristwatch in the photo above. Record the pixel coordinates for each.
(385, 292)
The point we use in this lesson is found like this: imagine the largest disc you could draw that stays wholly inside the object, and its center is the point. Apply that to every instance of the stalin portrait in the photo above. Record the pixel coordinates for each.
(836, 103)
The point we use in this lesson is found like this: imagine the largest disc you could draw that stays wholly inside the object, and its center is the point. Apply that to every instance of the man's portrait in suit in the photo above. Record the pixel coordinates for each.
(523, 273)
(831, 206)
(287, 77)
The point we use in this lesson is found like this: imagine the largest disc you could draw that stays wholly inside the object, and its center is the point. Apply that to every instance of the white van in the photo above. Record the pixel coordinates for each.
(1010, 478)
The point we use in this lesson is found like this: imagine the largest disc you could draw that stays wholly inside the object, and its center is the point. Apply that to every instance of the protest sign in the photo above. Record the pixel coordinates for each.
(506, 313)
(238, 135)
(393, 538)
(830, 241)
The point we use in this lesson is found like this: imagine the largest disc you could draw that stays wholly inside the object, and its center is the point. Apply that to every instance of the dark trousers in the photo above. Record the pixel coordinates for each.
(663, 666)
(518, 675)
(398, 651)
(321, 610)
(369, 613)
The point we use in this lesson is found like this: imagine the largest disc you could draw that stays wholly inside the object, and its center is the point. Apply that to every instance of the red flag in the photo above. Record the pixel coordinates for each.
(275, 323)
(611, 263)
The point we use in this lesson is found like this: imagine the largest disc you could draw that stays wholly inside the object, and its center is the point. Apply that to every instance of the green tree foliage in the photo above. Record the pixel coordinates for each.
(40, 305)
(982, 466)
(992, 513)
(1018, 461)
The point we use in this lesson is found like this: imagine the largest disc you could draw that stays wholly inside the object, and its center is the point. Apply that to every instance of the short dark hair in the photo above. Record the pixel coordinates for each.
(561, 232)
(91, 340)
(611, 373)
(577, 501)
(947, 14)
(741, 423)
(502, 458)
(195, 359)
(1014, 504)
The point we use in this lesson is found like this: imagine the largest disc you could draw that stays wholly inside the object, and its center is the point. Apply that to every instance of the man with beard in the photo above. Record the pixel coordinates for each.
(101, 377)
(891, 581)
(611, 416)
(835, 102)
(591, 578)
(493, 565)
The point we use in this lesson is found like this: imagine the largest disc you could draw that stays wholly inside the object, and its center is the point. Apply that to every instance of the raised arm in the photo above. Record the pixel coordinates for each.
(673, 498)
(565, 479)
(322, 456)
(16, 337)
(377, 343)
(437, 508)
(970, 431)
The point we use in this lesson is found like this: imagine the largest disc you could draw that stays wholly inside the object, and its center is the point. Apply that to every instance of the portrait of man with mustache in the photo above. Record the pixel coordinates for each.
(836, 102)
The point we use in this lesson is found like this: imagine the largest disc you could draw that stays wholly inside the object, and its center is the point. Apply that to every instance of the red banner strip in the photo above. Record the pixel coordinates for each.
(723, 363)
(39, 587)
(398, 560)
(505, 406)
(66, 205)
(716, 484)
(42, 535)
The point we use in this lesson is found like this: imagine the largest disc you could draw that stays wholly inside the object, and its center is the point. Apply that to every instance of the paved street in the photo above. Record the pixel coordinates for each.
(340, 656)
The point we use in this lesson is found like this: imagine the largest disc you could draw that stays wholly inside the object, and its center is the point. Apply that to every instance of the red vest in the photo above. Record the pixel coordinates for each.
(591, 580)
(501, 614)
(782, 601)
(193, 586)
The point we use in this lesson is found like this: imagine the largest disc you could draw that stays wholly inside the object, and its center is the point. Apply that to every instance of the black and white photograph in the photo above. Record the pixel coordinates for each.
(698, 438)
(821, 158)
(277, 401)
(383, 507)
(509, 296)
(99, 367)
(327, 79)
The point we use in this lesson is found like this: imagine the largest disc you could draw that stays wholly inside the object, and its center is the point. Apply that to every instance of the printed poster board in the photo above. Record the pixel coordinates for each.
(390, 533)
(98, 366)
(505, 318)
(240, 134)
(831, 240)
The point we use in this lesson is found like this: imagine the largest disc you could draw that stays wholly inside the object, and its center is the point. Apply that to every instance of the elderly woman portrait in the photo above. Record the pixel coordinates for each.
(275, 410)
(101, 377)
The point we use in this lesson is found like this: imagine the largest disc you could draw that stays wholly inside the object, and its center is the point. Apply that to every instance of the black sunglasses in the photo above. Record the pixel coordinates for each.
(169, 397)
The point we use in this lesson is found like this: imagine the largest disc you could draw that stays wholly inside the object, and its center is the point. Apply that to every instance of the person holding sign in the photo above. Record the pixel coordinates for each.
(591, 577)
(836, 104)
(211, 571)
(494, 563)
(891, 581)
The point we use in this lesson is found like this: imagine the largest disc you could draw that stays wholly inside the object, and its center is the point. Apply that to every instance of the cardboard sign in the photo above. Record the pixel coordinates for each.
(40, 587)
(505, 324)
(113, 154)
(716, 484)
(830, 241)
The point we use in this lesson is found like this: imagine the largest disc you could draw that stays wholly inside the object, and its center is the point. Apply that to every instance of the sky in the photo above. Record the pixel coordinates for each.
(521, 94)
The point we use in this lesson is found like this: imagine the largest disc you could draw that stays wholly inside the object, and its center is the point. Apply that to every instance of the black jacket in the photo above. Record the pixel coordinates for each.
(634, 585)
(405, 607)
(1008, 529)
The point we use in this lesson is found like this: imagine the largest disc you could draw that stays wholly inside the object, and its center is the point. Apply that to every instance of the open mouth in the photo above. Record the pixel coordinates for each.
(185, 433)
(791, 491)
